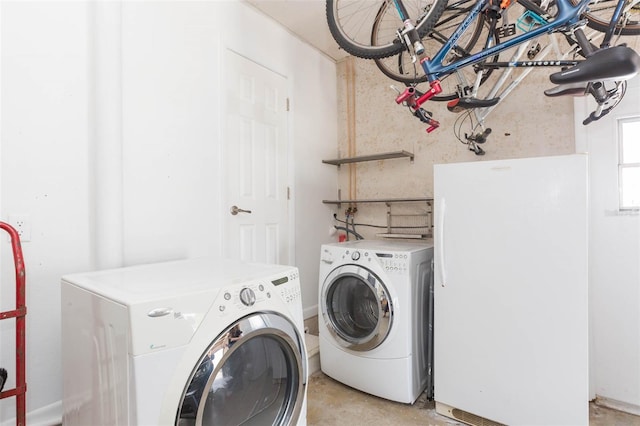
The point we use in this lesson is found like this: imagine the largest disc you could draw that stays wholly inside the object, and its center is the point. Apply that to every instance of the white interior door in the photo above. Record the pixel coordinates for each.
(256, 166)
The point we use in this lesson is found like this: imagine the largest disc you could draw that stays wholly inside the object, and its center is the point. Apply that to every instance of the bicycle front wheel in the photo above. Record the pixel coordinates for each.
(600, 13)
(402, 68)
(351, 23)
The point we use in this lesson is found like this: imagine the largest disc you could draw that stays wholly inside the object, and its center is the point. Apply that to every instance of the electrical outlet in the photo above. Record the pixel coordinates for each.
(22, 225)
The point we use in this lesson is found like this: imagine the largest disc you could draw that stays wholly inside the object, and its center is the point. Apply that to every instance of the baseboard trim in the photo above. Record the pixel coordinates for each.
(309, 312)
(49, 415)
(625, 407)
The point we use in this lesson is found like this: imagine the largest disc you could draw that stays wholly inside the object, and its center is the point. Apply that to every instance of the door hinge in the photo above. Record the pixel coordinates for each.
(287, 104)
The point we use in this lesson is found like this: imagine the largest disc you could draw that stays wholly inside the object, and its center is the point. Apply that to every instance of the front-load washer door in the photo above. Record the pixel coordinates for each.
(254, 373)
(356, 307)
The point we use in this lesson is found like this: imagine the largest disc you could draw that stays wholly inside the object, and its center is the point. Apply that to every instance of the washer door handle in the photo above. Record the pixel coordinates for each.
(159, 312)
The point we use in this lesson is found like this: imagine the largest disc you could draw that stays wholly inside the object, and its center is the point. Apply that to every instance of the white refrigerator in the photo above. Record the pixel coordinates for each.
(511, 291)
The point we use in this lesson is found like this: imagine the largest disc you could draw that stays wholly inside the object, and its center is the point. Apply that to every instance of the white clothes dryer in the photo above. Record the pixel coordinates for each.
(191, 342)
(375, 317)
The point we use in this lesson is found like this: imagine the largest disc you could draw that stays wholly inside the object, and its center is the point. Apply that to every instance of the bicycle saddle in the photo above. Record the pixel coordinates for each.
(615, 63)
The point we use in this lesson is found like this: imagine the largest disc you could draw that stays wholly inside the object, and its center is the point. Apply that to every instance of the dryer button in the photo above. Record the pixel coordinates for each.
(355, 255)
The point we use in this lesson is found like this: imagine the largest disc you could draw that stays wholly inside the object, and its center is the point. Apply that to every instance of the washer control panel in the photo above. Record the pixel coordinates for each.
(394, 262)
(356, 255)
(257, 292)
(289, 289)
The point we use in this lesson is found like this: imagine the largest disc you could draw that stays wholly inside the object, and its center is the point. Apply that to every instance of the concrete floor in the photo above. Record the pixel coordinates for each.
(332, 403)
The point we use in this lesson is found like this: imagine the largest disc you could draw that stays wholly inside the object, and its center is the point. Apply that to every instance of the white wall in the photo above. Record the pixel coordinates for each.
(45, 174)
(614, 261)
(67, 124)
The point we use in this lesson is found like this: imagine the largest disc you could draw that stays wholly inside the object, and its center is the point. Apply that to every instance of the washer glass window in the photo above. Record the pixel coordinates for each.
(357, 308)
(252, 374)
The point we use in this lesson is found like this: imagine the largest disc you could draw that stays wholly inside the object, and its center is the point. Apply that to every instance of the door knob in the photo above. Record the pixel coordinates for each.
(235, 210)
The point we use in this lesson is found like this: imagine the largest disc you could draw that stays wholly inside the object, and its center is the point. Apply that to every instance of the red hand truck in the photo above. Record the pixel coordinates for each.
(19, 313)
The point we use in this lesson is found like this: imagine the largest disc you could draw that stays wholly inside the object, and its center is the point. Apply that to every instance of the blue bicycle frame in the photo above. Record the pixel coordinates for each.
(568, 14)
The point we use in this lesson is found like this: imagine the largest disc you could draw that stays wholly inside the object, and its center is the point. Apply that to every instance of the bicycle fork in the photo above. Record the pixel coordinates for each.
(409, 34)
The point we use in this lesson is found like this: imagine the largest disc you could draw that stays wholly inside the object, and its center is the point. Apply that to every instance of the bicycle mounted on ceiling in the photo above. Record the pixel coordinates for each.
(398, 36)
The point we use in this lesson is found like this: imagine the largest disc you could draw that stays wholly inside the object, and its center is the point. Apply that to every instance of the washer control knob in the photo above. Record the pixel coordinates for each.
(355, 255)
(247, 297)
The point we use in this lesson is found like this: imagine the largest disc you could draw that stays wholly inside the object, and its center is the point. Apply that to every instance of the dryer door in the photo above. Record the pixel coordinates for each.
(252, 374)
(356, 307)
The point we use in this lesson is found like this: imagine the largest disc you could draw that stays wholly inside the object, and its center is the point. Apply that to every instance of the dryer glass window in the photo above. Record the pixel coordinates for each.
(255, 380)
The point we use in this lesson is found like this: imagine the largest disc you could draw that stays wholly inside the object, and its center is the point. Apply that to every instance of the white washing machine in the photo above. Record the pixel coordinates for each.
(376, 315)
(150, 345)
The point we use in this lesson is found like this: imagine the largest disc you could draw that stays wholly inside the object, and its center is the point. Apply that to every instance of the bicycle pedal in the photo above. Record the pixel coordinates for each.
(533, 51)
(529, 20)
(476, 149)
(506, 30)
(462, 104)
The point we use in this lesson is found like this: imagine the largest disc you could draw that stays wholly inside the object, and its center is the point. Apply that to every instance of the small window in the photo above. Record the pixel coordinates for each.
(629, 163)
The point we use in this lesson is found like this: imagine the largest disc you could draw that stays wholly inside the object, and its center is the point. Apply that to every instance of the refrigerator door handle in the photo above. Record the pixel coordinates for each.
(440, 230)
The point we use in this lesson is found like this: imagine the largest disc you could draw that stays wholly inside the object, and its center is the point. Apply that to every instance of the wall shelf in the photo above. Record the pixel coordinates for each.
(406, 225)
(374, 157)
(379, 200)
(403, 225)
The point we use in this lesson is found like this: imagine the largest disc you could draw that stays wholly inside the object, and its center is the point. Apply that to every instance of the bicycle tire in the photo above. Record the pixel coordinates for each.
(400, 67)
(351, 21)
(600, 12)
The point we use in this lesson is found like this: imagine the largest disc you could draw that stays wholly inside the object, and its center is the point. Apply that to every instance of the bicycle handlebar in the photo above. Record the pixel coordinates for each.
(409, 92)
(414, 99)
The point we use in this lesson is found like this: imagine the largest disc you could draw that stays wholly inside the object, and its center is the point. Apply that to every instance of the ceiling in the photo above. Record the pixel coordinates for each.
(306, 19)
